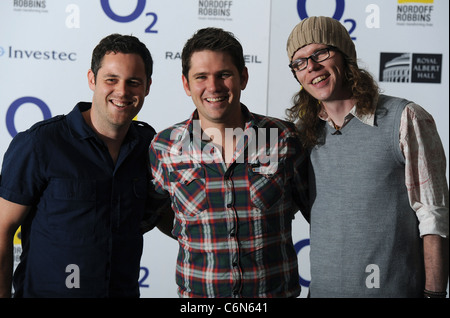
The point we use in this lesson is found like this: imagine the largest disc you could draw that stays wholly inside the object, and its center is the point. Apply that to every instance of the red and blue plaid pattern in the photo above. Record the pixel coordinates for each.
(233, 222)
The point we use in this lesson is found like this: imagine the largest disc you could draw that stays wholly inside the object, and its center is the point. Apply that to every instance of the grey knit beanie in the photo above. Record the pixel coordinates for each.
(320, 30)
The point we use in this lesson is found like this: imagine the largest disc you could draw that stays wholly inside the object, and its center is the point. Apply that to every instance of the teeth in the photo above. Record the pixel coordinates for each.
(120, 104)
(217, 99)
(319, 79)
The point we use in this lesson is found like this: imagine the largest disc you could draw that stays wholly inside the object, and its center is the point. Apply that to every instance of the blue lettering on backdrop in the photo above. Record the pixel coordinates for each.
(142, 279)
(123, 19)
(133, 16)
(11, 113)
(338, 13)
(298, 246)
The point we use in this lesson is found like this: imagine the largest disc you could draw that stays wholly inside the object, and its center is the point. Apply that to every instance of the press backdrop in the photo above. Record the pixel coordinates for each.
(46, 46)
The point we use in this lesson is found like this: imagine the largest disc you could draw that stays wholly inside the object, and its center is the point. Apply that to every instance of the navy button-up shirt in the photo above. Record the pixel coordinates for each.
(85, 211)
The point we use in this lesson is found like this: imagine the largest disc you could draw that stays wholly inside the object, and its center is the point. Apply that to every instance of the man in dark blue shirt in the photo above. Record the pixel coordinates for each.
(78, 185)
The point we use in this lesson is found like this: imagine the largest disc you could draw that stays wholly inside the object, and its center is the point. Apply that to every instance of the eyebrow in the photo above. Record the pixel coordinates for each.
(117, 76)
(218, 72)
(314, 52)
(199, 73)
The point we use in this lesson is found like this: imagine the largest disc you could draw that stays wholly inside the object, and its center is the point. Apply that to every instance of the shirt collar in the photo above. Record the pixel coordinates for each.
(189, 129)
(81, 130)
(368, 119)
(78, 126)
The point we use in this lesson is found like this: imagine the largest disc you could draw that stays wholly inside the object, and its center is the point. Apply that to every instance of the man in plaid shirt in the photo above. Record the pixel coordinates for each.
(234, 181)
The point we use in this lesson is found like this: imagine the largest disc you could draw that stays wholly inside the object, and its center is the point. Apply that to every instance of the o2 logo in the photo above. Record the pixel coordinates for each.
(142, 283)
(11, 113)
(298, 246)
(338, 13)
(131, 17)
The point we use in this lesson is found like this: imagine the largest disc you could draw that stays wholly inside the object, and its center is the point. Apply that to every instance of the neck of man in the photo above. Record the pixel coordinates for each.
(112, 138)
(225, 135)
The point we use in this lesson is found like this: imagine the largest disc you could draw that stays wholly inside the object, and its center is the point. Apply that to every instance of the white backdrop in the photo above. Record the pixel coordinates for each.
(46, 46)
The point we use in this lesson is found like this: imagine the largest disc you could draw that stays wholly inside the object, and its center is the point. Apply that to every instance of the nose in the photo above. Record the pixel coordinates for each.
(214, 84)
(312, 65)
(121, 88)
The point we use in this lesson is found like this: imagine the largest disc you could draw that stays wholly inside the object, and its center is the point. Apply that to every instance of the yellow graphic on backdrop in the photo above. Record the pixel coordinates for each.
(415, 1)
(17, 237)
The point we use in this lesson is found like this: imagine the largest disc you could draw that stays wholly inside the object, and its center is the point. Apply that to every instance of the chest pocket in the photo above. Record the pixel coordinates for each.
(266, 189)
(188, 189)
(74, 207)
(140, 188)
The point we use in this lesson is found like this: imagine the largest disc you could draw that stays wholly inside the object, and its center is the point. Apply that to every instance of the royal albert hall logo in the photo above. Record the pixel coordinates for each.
(410, 68)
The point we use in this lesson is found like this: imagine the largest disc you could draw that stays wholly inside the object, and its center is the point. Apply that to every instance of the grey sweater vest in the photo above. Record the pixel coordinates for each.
(364, 235)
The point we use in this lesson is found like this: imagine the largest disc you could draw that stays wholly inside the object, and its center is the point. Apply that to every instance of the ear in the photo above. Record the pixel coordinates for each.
(186, 85)
(244, 78)
(91, 80)
(149, 82)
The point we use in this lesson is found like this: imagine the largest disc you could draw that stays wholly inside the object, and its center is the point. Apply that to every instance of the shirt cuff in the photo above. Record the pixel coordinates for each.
(16, 198)
(433, 220)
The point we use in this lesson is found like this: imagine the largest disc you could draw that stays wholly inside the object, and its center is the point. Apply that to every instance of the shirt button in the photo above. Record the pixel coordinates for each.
(229, 205)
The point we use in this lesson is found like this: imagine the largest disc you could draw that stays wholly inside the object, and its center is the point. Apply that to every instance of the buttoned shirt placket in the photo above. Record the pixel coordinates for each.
(220, 167)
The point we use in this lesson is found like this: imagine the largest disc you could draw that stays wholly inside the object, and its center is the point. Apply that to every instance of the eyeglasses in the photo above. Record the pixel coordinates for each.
(318, 56)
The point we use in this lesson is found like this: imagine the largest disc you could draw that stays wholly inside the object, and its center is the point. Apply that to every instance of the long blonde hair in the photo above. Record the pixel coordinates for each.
(305, 112)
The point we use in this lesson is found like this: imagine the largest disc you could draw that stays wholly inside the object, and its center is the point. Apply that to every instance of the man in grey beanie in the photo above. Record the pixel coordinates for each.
(379, 217)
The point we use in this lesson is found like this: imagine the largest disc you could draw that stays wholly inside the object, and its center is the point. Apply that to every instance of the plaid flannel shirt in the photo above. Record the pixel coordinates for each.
(233, 222)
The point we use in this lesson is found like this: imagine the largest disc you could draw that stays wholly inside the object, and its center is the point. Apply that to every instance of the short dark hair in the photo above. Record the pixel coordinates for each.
(214, 39)
(126, 44)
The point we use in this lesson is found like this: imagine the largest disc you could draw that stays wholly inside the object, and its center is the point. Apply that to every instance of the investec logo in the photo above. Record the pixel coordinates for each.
(27, 54)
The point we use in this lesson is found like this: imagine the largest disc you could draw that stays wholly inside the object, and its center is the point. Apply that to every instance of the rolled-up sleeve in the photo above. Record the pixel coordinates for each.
(425, 166)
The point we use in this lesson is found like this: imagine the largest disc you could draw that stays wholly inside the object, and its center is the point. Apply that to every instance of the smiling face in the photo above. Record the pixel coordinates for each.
(215, 85)
(324, 80)
(119, 91)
